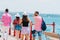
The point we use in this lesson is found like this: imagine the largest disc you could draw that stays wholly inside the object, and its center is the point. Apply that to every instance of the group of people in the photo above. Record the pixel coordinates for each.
(22, 25)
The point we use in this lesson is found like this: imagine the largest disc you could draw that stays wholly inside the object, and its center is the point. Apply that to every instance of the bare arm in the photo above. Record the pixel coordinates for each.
(20, 21)
(30, 23)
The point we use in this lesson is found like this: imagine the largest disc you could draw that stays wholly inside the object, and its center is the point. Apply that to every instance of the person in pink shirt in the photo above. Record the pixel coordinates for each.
(6, 20)
(37, 25)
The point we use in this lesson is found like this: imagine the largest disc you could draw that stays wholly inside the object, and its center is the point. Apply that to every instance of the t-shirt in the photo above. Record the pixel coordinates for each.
(38, 22)
(6, 19)
(15, 22)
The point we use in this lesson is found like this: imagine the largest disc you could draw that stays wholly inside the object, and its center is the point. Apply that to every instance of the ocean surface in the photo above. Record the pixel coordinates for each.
(48, 18)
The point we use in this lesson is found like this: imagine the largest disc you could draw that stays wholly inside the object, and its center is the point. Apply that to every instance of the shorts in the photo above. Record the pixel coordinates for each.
(34, 32)
(18, 27)
(5, 30)
(24, 30)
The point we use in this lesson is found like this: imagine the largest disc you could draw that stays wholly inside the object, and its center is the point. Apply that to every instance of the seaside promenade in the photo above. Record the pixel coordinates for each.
(48, 35)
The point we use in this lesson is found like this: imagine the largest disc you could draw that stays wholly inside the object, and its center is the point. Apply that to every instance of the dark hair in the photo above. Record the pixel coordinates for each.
(6, 10)
(17, 18)
(24, 18)
(36, 12)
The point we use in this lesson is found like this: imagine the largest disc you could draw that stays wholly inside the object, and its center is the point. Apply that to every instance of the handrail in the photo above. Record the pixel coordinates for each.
(53, 24)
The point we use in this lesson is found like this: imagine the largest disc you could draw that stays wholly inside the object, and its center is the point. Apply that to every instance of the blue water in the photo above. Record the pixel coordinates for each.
(48, 18)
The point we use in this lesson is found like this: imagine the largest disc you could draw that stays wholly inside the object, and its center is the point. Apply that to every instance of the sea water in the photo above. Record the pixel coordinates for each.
(48, 18)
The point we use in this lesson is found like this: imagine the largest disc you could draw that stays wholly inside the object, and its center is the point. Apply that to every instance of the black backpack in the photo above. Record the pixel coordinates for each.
(43, 25)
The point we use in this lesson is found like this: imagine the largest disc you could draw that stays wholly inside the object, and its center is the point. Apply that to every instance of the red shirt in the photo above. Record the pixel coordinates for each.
(16, 22)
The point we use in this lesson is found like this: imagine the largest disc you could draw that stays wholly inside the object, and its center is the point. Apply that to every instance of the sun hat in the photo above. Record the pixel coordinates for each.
(25, 13)
(17, 15)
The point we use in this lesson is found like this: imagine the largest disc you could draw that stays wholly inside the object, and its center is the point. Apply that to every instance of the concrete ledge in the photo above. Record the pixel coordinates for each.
(52, 35)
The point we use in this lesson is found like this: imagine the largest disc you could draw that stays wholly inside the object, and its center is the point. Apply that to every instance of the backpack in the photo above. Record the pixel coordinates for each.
(43, 25)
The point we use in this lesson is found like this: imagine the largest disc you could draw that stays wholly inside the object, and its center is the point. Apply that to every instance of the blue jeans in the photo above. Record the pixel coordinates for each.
(37, 32)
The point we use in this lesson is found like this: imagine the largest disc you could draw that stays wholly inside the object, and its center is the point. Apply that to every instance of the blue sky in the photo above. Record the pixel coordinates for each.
(43, 6)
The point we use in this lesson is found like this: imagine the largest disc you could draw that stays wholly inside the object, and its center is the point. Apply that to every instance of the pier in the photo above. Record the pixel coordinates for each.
(48, 35)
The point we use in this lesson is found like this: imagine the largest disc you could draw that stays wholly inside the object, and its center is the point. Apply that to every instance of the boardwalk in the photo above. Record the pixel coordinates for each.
(47, 37)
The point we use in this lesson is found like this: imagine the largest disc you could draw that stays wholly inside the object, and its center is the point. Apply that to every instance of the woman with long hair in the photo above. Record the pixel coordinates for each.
(25, 24)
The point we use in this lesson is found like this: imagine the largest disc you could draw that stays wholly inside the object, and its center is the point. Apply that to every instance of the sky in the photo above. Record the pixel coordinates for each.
(43, 6)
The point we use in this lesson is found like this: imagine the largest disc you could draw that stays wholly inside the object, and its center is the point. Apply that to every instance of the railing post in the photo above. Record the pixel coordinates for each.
(20, 34)
(14, 32)
(9, 31)
(53, 27)
(31, 32)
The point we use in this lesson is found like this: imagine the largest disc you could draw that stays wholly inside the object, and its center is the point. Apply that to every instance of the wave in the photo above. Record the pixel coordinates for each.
(31, 14)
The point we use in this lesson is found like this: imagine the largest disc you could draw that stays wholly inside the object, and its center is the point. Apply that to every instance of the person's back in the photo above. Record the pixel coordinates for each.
(15, 22)
(6, 19)
(25, 25)
(37, 25)
(17, 26)
(38, 21)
